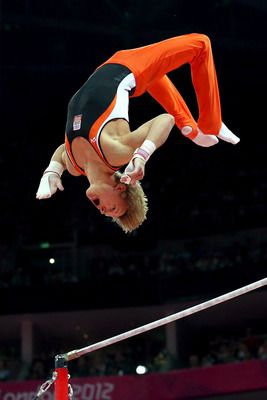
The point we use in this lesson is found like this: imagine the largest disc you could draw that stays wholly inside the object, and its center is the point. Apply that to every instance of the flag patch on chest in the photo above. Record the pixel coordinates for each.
(77, 121)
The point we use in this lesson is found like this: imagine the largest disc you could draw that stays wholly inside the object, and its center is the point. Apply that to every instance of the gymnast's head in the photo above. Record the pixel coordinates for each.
(125, 204)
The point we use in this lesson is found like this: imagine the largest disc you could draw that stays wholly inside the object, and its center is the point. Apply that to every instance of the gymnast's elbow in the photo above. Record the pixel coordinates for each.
(169, 120)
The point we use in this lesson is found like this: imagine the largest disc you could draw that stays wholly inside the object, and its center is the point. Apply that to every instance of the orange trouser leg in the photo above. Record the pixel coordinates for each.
(196, 50)
(205, 83)
(166, 94)
(150, 63)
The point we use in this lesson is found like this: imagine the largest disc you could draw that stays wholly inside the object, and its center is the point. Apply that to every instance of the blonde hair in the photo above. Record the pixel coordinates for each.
(137, 207)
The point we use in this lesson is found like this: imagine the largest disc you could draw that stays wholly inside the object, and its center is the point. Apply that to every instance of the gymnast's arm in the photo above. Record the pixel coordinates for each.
(146, 139)
(157, 130)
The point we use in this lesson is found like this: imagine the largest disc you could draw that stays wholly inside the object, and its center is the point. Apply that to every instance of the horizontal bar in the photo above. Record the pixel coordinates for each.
(166, 320)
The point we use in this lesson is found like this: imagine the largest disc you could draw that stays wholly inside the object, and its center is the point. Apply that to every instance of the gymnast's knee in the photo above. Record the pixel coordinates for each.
(205, 41)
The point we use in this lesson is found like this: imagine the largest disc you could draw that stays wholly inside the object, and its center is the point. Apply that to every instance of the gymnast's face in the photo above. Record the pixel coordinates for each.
(110, 200)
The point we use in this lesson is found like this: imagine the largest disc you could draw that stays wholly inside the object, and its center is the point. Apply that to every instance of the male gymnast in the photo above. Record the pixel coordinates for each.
(99, 141)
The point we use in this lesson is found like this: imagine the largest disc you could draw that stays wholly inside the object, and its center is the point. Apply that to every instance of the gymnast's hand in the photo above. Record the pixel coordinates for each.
(49, 184)
(134, 171)
(51, 181)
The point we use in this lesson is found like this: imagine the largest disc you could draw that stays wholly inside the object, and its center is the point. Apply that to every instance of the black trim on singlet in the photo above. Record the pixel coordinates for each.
(94, 97)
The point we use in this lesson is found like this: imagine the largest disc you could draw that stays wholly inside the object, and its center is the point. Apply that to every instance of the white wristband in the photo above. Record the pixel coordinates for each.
(55, 167)
(145, 150)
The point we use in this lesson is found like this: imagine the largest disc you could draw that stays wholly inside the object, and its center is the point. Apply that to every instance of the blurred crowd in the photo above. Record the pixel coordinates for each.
(222, 350)
(28, 267)
(122, 359)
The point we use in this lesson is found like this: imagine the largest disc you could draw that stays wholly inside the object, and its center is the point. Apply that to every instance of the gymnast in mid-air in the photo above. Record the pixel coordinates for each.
(98, 139)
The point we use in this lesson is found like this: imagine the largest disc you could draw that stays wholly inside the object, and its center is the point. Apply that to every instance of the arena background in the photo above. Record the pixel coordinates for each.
(206, 231)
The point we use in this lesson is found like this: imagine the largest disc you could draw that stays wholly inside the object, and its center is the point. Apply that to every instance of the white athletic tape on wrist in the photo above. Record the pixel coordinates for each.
(54, 167)
(145, 150)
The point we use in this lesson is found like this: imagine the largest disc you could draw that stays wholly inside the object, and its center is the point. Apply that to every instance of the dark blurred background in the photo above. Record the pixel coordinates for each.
(206, 231)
